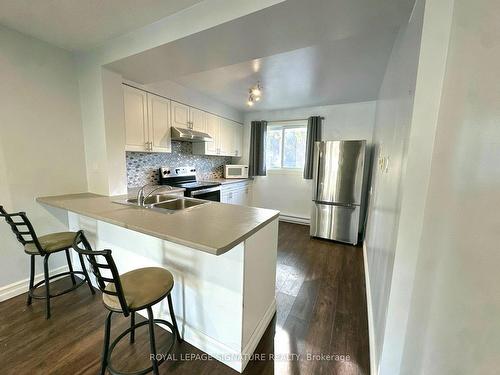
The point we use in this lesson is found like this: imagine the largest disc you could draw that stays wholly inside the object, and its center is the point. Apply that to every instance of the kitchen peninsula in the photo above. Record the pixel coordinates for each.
(222, 256)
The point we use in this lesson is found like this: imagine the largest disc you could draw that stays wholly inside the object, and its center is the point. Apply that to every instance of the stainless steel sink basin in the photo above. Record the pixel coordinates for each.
(154, 199)
(179, 204)
(167, 203)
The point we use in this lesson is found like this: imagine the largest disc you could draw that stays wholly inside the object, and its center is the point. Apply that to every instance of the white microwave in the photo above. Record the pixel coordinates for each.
(236, 171)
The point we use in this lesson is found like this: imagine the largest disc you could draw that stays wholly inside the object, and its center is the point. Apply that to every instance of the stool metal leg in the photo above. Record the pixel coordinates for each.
(152, 343)
(47, 291)
(32, 278)
(86, 274)
(70, 266)
(132, 327)
(172, 316)
(107, 332)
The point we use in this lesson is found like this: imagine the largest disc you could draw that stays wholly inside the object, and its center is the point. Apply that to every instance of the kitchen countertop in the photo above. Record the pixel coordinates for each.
(214, 227)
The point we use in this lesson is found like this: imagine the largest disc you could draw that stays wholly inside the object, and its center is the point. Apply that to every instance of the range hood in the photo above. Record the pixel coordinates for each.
(189, 135)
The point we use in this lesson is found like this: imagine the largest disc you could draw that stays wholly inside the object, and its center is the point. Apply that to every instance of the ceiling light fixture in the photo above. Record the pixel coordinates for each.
(254, 94)
(257, 90)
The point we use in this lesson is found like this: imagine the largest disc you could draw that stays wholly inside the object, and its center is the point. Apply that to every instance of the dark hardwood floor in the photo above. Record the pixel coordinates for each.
(321, 302)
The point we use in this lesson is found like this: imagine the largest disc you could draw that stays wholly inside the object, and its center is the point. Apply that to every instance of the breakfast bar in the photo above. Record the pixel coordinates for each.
(222, 256)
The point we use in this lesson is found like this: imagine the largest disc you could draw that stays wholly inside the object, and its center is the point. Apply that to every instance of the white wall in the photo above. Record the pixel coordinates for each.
(288, 191)
(390, 138)
(41, 145)
(454, 325)
(99, 156)
(404, 133)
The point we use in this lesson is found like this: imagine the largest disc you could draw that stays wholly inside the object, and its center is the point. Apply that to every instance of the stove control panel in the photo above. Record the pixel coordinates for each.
(166, 172)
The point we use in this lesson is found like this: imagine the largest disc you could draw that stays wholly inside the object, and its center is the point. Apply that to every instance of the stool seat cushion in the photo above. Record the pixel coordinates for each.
(142, 288)
(51, 243)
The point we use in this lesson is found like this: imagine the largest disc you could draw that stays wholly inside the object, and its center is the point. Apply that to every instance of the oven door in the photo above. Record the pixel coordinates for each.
(210, 194)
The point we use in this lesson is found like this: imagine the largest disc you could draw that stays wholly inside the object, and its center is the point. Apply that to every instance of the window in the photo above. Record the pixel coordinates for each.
(286, 146)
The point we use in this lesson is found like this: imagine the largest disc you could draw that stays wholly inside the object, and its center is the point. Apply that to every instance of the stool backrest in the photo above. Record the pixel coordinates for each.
(22, 228)
(104, 269)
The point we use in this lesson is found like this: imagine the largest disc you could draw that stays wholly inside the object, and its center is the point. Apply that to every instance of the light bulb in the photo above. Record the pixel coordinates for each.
(256, 91)
(250, 102)
(257, 98)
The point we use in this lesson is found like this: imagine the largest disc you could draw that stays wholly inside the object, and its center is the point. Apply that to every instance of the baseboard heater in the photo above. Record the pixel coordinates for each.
(295, 219)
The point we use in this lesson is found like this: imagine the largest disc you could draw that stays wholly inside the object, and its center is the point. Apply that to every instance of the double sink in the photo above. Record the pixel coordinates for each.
(165, 202)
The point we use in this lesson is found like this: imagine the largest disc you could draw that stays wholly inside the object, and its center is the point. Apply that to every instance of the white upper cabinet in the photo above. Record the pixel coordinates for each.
(226, 137)
(213, 127)
(198, 119)
(136, 113)
(180, 115)
(159, 123)
(149, 118)
(237, 139)
(147, 121)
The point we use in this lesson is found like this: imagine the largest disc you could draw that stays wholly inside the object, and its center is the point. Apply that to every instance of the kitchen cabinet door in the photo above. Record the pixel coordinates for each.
(198, 119)
(237, 193)
(237, 139)
(226, 138)
(213, 129)
(180, 115)
(226, 197)
(159, 123)
(239, 197)
(136, 121)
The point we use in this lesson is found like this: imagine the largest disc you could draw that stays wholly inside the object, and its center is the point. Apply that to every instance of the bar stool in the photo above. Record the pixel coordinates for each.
(126, 294)
(45, 246)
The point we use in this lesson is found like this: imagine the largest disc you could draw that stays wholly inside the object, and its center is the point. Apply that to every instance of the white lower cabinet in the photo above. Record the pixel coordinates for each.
(238, 193)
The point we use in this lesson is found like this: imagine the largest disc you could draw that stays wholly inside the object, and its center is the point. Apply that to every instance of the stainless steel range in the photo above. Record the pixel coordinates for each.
(185, 177)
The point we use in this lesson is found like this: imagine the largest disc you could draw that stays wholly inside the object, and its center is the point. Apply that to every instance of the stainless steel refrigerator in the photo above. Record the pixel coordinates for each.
(338, 188)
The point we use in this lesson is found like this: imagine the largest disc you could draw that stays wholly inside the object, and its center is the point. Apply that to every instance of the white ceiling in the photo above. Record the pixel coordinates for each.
(305, 53)
(345, 71)
(78, 25)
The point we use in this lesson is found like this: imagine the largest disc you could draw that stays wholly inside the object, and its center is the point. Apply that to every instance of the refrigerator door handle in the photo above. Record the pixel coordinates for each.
(347, 205)
(318, 155)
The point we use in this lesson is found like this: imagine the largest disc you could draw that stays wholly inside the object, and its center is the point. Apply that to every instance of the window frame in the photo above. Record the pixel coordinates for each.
(282, 125)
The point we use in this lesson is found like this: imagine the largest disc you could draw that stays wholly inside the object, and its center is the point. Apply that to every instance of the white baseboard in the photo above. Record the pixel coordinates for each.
(20, 287)
(295, 219)
(371, 333)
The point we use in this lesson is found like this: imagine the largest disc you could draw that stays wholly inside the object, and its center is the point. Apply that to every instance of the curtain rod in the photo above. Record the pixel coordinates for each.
(295, 119)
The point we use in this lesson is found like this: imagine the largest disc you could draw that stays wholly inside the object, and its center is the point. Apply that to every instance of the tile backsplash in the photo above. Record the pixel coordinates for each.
(142, 167)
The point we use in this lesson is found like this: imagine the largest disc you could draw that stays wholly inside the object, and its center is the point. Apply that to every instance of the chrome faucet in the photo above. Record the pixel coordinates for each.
(141, 198)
